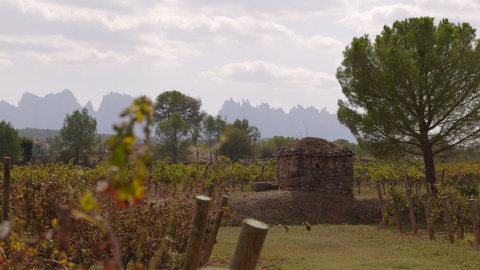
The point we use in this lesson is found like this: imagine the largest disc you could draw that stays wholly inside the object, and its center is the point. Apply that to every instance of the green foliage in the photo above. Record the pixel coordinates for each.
(77, 135)
(9, 143)
(414, 91)
(237, 144)
(170, 102)
(270, 147)
(213, 129)
(27, 149)
(172, 138)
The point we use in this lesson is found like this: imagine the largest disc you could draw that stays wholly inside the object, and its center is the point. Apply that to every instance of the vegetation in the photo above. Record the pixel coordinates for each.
(213, 127)
(414, 92)
(10, 142)
(77, 136)
(178, 117)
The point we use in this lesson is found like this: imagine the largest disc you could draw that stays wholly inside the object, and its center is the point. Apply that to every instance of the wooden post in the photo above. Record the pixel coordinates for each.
(241, 184)
(65, 224)
(382, 204)
(428, 216)
(261, 173)
(249, 245)
(210, 190)
(197, 233)
(395, 208)
(7, 163)
(206, 172)
(213, 234)
(411, 210)
(476, 230)
(446, 208)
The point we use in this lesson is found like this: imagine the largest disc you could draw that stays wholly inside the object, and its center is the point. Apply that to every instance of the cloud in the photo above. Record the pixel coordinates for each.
(266, 74)
(56, 48)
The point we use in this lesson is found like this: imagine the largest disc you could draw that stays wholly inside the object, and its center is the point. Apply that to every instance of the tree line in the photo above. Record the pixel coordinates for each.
(182, 130)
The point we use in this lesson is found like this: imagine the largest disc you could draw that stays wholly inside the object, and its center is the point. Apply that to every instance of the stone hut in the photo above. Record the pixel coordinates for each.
(315, 164)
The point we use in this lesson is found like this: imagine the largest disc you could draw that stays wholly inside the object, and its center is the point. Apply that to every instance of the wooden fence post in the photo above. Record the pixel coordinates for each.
(395, 208)
(382, 204)
(213, 234)
(446, 209)
(249, 245)
(197, 233)
(428, 216)
(411, 210)
(261, 174)
(7, 163)
(210, 190)
(476, 231)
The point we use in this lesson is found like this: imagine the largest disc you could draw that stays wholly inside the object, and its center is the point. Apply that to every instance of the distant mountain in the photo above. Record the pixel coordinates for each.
(300, 122)
(49, 112)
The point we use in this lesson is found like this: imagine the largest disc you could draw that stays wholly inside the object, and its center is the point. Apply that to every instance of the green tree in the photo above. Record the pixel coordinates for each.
(172, 139)
(415, 90)
(78, 135)
(9, 143)
(170, 102)
(237, 144)
(27, 149)
(176, 104)
(213, 129)
(251, 132)
(270, 147)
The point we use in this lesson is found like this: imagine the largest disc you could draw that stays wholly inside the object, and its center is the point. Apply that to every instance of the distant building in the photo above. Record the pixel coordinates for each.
(315, 164)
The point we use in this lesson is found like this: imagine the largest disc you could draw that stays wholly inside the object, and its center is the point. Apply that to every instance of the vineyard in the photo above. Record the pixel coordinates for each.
(133, 213)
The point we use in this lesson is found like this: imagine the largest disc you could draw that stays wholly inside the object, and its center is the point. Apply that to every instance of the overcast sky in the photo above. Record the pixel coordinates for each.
(281, 52)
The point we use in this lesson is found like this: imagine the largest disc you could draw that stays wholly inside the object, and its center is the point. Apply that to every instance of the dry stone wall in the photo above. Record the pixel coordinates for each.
(315, 164)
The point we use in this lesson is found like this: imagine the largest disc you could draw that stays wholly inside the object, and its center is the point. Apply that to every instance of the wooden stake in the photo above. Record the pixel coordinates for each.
(382, 204)
(395, 208)
(7, 163)
(249, 245)
(476, 230)
(446, 208)
(213, 234)
(197, 233)
(411, 210)
(428, 216)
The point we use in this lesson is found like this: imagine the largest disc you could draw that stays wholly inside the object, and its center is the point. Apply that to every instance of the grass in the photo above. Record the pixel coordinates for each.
(351, 247)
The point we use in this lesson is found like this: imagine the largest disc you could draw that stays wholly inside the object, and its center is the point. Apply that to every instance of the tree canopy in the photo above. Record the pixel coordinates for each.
(415, 90)
(172, 139)
(9, 143)
(78, 135)
(170, 102)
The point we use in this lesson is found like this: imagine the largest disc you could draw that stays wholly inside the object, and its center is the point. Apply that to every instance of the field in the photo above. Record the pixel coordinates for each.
(351, 247)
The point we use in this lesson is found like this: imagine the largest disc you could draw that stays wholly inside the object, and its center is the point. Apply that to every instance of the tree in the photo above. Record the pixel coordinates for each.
(172, 137)
(237, 144)
(415, 90)
(251, 132)
(213, 129)
(77, 135)
(270, 147)
(170, 102)
(9, 143)
(27, 149)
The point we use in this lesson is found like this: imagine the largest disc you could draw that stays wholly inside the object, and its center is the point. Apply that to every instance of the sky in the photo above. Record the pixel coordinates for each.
(280, 52)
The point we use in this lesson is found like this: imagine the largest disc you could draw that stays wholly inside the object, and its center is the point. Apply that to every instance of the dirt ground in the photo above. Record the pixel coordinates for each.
(297, 207)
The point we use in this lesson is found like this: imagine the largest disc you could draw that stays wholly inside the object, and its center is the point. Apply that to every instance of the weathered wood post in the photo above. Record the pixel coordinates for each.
(476, 231)
(261, 174)
(428, 216)
(210, 190)
(197, 233)
(382, 204)
(411, 210)
(395, 208)
(7, 164)
(65, 224)
(249, 245)
(213, 234)
(446, 208)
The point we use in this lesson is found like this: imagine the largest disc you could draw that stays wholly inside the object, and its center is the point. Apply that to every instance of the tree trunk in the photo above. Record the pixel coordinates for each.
(429, 167)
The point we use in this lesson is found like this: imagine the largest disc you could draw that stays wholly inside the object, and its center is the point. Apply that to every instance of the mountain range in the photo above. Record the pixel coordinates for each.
(49, 112)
